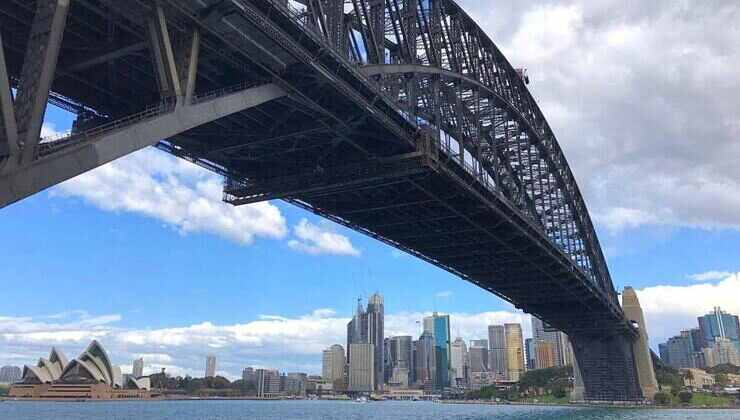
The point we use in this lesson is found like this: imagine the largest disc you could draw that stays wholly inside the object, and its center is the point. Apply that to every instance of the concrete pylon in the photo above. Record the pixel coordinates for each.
(641, 349)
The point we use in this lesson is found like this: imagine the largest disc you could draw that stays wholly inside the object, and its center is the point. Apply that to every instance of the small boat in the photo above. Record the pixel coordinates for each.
(361, 399)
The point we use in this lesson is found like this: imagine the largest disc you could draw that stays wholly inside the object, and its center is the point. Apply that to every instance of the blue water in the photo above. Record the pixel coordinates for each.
(285, 410)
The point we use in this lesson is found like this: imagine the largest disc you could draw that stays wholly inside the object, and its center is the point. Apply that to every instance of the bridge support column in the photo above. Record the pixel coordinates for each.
(607, 367)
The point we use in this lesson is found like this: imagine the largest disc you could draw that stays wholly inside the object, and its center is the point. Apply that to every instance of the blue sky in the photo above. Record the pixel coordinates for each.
(111, 255)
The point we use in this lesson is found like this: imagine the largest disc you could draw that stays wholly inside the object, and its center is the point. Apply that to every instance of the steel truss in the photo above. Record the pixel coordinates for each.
(398, 118)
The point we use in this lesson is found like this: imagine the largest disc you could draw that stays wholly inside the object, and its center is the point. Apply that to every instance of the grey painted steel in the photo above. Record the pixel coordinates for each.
(38, 71)
(161, 45)
(74, 160)
(8, 126)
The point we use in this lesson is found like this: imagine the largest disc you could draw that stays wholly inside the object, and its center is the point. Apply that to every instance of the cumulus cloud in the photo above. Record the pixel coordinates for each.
(176, 192)
(320, 240)
(669, 309)
(643, 97)
(287, 343)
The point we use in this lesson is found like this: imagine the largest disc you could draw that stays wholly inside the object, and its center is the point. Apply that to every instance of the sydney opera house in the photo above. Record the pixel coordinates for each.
(90, 376)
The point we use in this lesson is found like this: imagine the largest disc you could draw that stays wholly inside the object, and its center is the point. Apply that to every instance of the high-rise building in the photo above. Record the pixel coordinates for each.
(530, 358)
(294, 383)
(400, 360)
(459, 362)
(138, 368)
(479, 343)
(210, 366)
(561, 344)
(440, 325)
(719, 324)
(333, 362)
(497, 351)
(361, 368)
(478, 355)
(545, 354)
(514, 351)
(678, 350)
(10, 374)
(721, 351)
(425, 364)
(367, 327)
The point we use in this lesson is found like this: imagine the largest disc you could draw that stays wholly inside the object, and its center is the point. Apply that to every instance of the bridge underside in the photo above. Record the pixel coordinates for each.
(450, 162)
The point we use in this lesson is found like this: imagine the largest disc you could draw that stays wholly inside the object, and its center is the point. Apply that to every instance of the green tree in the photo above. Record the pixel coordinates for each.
(662, 398)
(721, 379)
(559, 392)
(689, 375)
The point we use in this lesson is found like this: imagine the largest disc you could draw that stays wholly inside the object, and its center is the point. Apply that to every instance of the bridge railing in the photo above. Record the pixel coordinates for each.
(53, 144)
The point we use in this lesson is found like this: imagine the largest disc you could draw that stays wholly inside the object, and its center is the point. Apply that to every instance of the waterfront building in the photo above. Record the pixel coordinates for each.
(440, 326)
(210, 366)
(479, 380)
(89, 376)
(697, 379)
(478, 354)
(268, 383)
(514, 351)
(294, 383)
(249, 376)
(497, 351)
(137, 370)
(10, 374)
(459, 362)
(529, 354)
(545, 354)
(361, 368)
(719, 324)
(721, 351)
(333, 363)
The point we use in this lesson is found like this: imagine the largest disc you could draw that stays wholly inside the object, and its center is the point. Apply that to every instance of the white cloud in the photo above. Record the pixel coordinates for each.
(320, 240)
(669, 309)
(444, 294)
(710, 275)
(176, 192)
(643, 97)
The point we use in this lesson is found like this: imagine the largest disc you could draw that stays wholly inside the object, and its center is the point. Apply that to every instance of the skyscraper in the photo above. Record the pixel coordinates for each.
(458, 362)
(545, 354)
(678, 350)
(425, 364)
(440, 325)
(268, 382)
(514, 351)
(361, 367)
(400, 360)
(478, 355)
(530, 358)
(719, 324)
(497, 351)
(138, 368)
(367, 327)
(563, 353)
(210, 366)
(333, 362)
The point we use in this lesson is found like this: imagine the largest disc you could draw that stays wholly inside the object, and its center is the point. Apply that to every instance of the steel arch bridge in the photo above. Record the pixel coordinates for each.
(398, 118)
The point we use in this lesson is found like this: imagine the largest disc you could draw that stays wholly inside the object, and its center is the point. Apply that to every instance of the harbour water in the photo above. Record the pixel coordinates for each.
(331, 410)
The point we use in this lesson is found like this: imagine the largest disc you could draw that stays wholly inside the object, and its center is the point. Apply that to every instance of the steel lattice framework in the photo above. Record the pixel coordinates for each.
(398, 118)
